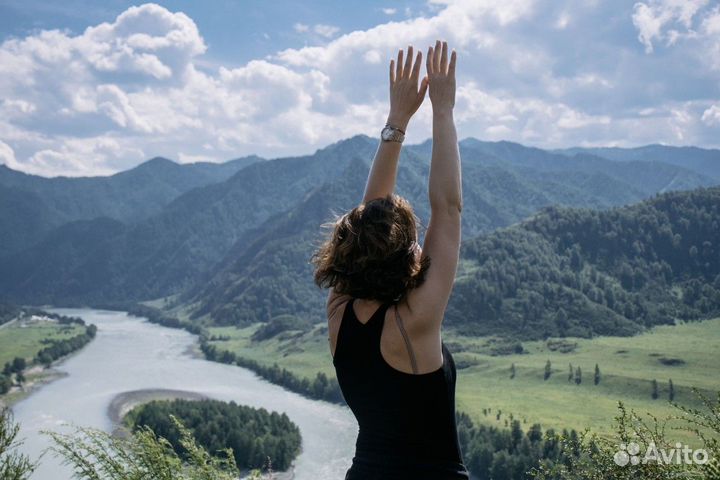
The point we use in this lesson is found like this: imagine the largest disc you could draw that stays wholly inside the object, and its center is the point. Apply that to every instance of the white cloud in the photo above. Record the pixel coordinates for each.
(7, 155)
(653, 17)
(711, 116)
(711, 31)
(82, 156)
(327, 31)
(562, 21)
(532, 71)
(389, 11)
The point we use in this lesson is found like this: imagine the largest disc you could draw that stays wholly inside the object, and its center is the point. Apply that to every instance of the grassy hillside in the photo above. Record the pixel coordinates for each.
(686, 353)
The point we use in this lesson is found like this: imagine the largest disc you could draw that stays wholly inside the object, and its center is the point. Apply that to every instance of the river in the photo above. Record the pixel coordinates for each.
(130, 354)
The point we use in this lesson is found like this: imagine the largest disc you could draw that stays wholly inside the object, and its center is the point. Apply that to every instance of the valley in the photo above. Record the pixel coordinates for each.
(627, 365)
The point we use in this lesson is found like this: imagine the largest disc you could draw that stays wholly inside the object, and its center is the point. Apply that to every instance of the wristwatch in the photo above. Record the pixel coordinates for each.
(392, 134)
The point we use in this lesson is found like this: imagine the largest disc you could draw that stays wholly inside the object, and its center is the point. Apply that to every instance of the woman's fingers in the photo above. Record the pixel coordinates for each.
(392, 72)
(416, 67)
(423, 87)
(453, 60)
(444, 58)
(429, 61)
(436, 60)
(398, 73)
(407, 70)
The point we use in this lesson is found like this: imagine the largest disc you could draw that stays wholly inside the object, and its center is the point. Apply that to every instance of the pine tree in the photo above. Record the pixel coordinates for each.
(671, 394)
(597, 374)
(548, 370)
(655, 394)
(578, 376)
(516, 435)
(512, 371)
(571, 373)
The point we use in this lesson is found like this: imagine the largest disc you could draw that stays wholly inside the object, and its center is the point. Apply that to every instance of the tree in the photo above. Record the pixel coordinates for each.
(13, 465)
(671, 393)
(597, 374)
(578, 376)
(512, 371)
(98, 455)
(5, 384)
(655, 394)
(596, 453)
(516, 434)
(561, 320)
(500, 467)
(571, 373)
(18, 364)
(548, 370)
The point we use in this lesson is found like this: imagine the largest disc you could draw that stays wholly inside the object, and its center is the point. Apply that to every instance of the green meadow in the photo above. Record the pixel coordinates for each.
(27, 339)
(689, 354)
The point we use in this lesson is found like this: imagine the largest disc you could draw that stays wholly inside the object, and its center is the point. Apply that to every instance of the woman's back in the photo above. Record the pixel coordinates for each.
(406, 422)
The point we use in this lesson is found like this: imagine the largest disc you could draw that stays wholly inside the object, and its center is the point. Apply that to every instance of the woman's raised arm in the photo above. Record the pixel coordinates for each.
(442, 239)
(405, 98)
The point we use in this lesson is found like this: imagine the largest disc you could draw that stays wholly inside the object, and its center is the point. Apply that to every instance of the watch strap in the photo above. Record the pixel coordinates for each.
(395, 135)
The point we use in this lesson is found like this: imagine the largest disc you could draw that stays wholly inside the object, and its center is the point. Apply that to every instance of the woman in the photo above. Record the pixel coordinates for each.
(388, 296)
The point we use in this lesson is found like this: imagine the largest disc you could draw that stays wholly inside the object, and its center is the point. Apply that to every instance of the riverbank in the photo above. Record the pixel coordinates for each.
(46, 339)
(35, 378)
(122, 403)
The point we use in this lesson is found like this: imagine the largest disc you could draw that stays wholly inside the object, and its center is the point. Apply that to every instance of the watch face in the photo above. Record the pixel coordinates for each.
(386, 133)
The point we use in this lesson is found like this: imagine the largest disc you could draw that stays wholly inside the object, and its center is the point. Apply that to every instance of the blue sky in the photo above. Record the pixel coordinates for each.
(235, 31)
(96, 87)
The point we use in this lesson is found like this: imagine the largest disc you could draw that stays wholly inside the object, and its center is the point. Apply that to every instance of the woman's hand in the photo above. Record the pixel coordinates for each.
(442, 77)
(405, 96)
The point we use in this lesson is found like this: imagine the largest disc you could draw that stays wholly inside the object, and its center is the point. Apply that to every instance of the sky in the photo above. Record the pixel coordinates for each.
(97, 87)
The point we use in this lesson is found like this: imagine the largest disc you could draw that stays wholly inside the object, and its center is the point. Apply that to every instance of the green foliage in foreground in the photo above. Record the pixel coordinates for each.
(253, 435)
(600, 458)
(492, 453)
(13, 465)
(96, 455)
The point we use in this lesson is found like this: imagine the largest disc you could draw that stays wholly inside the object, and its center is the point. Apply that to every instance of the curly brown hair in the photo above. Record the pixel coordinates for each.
(370, 251)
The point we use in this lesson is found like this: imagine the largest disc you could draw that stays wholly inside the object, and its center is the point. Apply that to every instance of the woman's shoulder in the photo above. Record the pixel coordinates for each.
(336, 303)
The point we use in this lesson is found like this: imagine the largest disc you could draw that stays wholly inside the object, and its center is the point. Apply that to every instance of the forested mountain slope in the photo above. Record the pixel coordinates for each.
(31, 206)
(576, 272)
(583, 272)
(206, 230)
(703, 161)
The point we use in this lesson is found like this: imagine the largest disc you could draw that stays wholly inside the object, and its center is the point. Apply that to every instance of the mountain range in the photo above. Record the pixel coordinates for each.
(234, 239)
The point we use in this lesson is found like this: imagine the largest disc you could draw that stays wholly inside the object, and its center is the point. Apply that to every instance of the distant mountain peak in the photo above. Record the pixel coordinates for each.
(158, 161)
(353, 143)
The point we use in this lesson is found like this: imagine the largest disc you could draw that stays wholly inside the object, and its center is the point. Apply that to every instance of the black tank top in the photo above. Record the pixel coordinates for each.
(406, 422)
